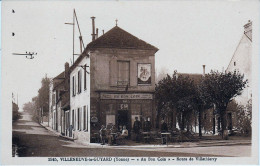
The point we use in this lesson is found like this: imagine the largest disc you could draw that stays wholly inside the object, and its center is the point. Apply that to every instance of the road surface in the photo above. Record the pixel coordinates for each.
(31, 139)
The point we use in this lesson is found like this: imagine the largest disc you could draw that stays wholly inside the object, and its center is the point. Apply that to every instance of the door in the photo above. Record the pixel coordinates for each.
(122, 118)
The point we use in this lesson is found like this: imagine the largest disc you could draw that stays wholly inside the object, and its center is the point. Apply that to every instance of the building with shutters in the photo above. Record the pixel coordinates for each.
(79, 115)
(122, 79)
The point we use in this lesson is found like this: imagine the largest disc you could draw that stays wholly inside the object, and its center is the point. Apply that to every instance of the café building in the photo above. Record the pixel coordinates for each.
(122, 79)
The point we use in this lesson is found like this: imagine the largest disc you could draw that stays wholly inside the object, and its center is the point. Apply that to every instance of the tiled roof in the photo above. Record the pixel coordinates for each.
(119, 38)
(195, 77)
(60, 76)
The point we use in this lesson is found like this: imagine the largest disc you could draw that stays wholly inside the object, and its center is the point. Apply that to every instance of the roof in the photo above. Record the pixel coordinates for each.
(58, 80)
(60, 76)
(119, 38)
(195, 77)
(78, 60)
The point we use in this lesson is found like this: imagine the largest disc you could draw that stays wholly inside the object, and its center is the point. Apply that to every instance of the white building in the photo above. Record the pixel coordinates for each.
(242, 62)
(80, 99)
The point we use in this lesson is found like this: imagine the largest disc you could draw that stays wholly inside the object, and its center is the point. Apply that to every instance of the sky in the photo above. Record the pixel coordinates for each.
(188, 35)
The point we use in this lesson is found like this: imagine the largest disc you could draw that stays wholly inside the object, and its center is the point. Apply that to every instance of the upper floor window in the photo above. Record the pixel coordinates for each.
(79, 81)
(53, 99)
(123, 72)
(85, 77)
(234, 63)
(73, 86)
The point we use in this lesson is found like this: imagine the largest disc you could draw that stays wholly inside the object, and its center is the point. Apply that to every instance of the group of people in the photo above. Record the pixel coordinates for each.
(112, 135)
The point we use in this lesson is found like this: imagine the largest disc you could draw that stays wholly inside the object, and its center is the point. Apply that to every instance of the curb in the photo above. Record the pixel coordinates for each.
(57, 134)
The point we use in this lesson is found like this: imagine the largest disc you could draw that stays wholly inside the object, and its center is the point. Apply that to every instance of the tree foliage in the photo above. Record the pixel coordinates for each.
(175, 93)
(41, 101)
(220, 88)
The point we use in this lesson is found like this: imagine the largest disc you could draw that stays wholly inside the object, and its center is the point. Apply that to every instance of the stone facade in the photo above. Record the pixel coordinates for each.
(242, 62)
(122, 80)
(111, 101)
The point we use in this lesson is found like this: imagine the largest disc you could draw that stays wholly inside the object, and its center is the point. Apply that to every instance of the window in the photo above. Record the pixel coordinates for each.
(84, 118)
(234, 63)
(79, 81)
(73, 86)
(73, 120)
(123, 73)
(87, 119)
(53, 99)
(85, 77)
(79, 121)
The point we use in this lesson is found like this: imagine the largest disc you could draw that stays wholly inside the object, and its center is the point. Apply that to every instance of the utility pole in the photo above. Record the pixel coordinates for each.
(73, 37)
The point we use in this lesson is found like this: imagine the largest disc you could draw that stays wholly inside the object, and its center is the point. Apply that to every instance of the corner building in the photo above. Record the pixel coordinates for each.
(122, 80)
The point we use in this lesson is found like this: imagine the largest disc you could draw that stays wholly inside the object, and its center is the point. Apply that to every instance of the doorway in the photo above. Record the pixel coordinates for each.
(122, 118)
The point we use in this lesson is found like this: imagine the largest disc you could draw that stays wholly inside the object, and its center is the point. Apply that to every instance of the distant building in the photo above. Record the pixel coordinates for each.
(242, 62)
(59, 102)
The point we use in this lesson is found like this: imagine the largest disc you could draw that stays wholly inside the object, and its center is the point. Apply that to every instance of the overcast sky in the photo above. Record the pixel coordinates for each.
(188, 35)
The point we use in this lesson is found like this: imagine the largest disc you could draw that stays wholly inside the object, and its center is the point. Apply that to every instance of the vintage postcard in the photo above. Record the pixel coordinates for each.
(129, 82)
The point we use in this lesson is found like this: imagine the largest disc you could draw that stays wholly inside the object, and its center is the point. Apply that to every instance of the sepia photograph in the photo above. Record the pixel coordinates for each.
(129, 82)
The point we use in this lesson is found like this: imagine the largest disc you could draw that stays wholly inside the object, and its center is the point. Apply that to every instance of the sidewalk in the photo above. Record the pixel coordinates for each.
(206, 141)
(45, 125)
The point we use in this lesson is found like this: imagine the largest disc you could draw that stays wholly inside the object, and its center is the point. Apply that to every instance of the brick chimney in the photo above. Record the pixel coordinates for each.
(203, 70)
(96, 33)
(66, 75)
(248, 30)
(93, 28)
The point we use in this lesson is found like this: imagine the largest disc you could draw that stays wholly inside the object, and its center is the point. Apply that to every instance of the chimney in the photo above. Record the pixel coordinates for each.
(93, 28)
(103, 31)
(96, 33)
(203, 70)
(248, 29)
(66, 75)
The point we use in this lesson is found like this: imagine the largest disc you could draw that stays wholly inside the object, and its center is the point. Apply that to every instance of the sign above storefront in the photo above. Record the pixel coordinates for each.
(126, 96)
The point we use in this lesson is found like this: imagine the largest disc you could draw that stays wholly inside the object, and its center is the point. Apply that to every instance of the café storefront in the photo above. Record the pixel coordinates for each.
(121, 109)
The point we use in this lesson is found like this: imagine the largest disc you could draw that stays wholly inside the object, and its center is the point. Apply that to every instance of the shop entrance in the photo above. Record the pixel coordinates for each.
(122, 118)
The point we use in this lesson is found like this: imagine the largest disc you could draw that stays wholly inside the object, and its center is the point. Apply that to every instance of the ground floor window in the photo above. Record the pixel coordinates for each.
(85, 118)
(79, 119)
(73, 119)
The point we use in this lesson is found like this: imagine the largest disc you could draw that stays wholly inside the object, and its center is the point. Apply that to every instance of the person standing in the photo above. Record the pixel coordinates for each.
(147, 125)
(137, 127)
(102, 133)
(164, 129)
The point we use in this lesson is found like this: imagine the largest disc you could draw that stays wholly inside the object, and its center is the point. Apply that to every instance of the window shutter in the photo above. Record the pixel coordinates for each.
(113, 72)
(133, 73)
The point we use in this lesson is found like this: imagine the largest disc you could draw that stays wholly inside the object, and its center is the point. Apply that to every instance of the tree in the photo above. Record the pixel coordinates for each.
(175, 94)
(243, 116)
(39, 102)
(220, 88)
(43, 96)
(29, 107)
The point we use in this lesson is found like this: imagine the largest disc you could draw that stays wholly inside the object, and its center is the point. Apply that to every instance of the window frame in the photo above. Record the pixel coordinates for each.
(128, 82)
(79, 81)
(85, 77)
